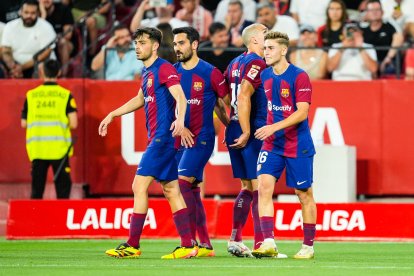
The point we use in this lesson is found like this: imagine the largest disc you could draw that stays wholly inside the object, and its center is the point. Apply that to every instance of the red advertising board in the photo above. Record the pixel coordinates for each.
(371, 116)
(30, 219)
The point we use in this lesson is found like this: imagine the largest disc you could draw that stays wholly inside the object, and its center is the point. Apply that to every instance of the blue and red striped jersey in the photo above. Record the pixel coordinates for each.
(202, 85)
(282, 93)
(247, 66)
(159, 103)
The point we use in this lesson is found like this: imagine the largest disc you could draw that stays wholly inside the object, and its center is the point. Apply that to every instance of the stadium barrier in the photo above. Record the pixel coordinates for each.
(372, 116)
(37, 219)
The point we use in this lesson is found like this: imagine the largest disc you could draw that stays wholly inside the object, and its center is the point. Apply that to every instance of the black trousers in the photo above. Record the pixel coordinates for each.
(63, 183)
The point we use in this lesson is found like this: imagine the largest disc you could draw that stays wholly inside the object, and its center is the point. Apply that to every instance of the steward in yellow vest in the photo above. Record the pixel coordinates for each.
(48, 114)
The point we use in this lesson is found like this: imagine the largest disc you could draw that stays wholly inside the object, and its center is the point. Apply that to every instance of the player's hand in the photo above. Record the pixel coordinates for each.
(224, 138)
(177, 127)
(103, 126)
(264, 132)
(187, 138)
(241, 141)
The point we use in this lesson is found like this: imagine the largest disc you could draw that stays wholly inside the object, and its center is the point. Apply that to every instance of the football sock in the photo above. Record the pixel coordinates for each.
(190, 201)
(201, 220)
(267, 224)
(258, 235)
(309, 230)
(135, 229)
(241, 209)
(183, 227)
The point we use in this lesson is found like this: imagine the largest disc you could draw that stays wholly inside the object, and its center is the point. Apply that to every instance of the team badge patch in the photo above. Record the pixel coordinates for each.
(253, 72)
(285, 92)
(149, 83)
(198, 85)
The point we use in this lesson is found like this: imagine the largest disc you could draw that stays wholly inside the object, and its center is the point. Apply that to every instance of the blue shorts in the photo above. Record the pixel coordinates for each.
(299, 171)
(158, 161)
(243, 161)
(191, 161)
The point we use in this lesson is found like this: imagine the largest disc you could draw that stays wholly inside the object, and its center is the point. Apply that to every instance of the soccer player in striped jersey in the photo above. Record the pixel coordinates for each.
(204, 86)
(160, 92)
(247, 113)
(287, 143)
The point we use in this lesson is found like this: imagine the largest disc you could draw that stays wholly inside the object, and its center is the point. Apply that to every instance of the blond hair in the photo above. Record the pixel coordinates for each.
(281, 38)
(249, 32)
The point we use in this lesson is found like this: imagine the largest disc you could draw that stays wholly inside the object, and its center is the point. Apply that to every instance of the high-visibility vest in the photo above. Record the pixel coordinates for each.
(48, 134)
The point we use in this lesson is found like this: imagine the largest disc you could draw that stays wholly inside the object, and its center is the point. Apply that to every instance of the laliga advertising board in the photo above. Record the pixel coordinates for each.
(110, 218)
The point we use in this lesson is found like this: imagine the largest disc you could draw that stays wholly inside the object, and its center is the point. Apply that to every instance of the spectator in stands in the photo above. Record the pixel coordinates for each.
(400, 11)
(352, 64)
(267, 14)
(163, 15)
(197, 16)
(382, 33)
(95, 12)
(61, 18)
(9, 10)
(236, 23)
(336, 17)
(25, 41)
(166, 49)
(409, 64)
(249, 10)
(313, 61)
(219, 41)
(120, 60)
(309, 12)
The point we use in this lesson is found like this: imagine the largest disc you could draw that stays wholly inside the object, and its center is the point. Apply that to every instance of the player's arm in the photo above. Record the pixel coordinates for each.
(181, 105)
(221, 112)
(133, 104)
(243, 110)
(295, 118)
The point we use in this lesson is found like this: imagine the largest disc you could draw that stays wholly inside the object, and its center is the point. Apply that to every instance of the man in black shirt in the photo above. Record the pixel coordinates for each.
(219, 40)
(60, 17)
(380, 33)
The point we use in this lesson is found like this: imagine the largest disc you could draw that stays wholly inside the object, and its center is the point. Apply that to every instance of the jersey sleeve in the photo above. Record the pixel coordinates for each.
(303, 88)
(71, 106)
(219, 83)
(252, 72)
(168, 75)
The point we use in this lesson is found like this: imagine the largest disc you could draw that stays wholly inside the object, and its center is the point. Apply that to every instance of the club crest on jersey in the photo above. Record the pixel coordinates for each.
(285, 92)
(149, 83)
(198, 85)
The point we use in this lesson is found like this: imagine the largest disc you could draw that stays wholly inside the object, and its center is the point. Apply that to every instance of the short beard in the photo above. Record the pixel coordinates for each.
(144, 58)
(29, 24)
(185, 58)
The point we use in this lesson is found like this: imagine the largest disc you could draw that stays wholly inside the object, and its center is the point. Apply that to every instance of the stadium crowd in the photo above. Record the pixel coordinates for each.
(331, 39)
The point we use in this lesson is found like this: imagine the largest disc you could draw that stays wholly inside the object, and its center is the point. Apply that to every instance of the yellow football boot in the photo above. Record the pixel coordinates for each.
(125, 251)
(306, 252)
(205, 252)
(266, 249)
(182, 253)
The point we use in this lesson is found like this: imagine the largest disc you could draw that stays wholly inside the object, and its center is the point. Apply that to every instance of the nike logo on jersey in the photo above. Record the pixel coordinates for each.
(300, 183)
(180, 170)
(267, 90)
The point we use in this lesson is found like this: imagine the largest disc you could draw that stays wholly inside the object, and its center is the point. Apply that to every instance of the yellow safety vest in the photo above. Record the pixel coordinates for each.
(48, 133)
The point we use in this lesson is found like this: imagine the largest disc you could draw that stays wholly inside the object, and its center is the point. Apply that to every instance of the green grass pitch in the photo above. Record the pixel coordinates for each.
(86, 257)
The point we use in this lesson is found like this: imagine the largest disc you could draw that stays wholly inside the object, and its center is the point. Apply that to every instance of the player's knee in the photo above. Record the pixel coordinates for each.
(170, 192)
(304, 195)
